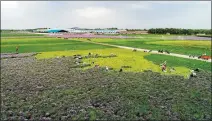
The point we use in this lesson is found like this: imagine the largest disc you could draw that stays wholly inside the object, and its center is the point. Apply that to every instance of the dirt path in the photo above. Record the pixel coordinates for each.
(153, 51)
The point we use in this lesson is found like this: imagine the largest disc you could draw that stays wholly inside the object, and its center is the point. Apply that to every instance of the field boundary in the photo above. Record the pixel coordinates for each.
(140, 49)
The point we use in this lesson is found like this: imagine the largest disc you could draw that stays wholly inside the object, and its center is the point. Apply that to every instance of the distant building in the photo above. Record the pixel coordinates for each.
(56, 30)
(99, 31)
(79, 30)
(41, 30)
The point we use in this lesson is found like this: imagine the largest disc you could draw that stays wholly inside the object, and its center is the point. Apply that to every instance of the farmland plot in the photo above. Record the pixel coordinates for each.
(52, 86)
(174, 46)
(50, 89)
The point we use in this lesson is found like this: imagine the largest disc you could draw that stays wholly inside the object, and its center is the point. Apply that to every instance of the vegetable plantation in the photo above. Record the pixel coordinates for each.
(73, 79)
(51, 89)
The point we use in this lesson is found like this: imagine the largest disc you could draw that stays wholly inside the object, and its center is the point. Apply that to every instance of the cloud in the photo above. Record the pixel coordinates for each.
(102, 14)
(9, 4)
(93, 12)
(93, 17)
(141, 5)
(179, 2)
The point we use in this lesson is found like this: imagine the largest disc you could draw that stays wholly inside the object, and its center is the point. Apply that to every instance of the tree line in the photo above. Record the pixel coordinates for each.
(136, 29)
(179, 31)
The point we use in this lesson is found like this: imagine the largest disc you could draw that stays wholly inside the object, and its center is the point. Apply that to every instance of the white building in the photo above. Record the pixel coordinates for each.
(104, 31)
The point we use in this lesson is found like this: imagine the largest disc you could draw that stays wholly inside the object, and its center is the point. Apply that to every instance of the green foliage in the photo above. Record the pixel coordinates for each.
(136, 29)
(179, 31)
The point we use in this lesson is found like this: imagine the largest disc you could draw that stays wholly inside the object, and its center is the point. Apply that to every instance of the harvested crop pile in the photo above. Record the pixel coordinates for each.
(51, 89)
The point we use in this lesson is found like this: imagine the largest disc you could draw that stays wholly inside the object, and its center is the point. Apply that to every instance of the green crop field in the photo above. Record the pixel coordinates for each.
(174, 46)
(44, 45)
(16, 34)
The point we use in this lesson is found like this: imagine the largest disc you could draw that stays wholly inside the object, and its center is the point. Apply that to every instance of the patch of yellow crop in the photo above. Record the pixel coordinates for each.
(205, 44)
(124, 58)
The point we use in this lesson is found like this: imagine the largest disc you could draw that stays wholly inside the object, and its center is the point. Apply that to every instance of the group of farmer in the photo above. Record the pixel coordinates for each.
(192, 74)
(163, 65)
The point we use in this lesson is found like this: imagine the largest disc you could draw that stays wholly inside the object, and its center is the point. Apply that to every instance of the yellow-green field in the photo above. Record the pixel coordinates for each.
(124, 58)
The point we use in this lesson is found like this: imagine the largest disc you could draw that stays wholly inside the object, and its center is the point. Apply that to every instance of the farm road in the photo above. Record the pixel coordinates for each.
(153, 51)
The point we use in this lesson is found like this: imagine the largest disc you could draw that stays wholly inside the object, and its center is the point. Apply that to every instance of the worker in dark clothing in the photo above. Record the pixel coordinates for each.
(121, 70)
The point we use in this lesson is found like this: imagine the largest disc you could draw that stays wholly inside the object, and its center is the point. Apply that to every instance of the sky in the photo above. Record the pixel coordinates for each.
(106, 14)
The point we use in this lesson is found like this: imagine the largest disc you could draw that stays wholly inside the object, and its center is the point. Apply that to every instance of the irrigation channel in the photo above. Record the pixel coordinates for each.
(153, 51)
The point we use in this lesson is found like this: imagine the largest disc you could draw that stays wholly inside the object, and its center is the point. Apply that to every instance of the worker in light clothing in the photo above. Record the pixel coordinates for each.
(192, 74)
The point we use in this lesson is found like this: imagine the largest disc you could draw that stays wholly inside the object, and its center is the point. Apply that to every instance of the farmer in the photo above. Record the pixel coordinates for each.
(107, 69)
(17, 47)
(112, 55)
(77, 58)
(193, 74)
(164, 66)
(134, 50)
(197, 70)
(121, 70)
(89, 54)
(96, 56)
